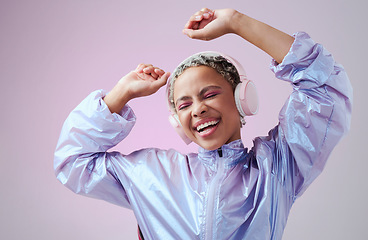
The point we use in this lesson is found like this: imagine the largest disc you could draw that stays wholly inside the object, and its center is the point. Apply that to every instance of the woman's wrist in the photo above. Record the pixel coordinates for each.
(117, 98)
(246, 27)
(238, 21)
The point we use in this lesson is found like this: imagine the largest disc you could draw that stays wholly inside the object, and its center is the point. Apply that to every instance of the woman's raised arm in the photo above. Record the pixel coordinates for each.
(209, 24)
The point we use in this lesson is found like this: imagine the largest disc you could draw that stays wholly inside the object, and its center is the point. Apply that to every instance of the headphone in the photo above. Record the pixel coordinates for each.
(245, 94)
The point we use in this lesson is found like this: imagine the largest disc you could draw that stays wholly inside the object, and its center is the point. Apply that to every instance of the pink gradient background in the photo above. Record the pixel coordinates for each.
(54, 53)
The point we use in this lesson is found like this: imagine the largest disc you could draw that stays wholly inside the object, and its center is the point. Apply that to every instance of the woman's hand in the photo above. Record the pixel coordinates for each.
(209, 24)
(143, 81)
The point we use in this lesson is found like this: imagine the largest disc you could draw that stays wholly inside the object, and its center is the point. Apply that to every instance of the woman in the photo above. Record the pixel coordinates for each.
(224, 191)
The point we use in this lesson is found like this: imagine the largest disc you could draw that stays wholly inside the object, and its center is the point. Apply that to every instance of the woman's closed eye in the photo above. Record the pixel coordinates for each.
(211, 94)
(183, 105)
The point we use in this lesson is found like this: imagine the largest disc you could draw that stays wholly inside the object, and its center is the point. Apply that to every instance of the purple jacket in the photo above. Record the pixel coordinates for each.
(239, 195)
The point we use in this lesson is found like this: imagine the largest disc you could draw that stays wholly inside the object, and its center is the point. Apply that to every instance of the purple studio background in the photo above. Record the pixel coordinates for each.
(54, 53)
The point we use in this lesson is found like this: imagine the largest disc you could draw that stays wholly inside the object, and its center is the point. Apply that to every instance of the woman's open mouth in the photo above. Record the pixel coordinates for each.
(207, 128)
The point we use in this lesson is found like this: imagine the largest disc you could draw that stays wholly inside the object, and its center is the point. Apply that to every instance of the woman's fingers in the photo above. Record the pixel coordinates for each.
(139, 68)
(196, 27)
(150, 70)
(161, 80)
(159, 72)
(207, 24)
(195, 19)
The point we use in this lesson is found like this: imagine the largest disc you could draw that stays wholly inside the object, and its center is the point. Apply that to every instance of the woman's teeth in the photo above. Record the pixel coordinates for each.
(204, 125)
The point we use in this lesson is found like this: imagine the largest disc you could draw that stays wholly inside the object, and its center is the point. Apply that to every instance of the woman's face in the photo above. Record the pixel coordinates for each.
(206, 108)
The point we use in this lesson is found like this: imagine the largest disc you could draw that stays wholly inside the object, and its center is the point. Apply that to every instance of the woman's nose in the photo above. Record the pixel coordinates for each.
(199, 109)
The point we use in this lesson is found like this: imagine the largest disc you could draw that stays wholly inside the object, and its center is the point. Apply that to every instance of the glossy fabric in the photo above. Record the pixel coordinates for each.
(239, 195)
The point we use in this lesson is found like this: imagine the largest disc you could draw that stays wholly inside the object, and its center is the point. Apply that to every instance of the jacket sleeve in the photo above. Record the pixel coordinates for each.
(316, 115)
(81, 160)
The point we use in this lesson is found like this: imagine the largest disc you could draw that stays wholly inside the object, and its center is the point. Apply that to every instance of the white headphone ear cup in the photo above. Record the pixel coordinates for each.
(246, 98)
(174, 121)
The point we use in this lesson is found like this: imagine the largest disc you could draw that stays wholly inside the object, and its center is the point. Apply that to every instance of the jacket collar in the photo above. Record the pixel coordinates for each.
(233, 153)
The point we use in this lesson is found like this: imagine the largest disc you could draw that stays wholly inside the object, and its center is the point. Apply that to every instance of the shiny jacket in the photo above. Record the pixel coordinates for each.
(230, 193)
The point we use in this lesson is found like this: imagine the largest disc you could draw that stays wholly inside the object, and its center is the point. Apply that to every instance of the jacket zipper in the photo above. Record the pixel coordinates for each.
(211, 208)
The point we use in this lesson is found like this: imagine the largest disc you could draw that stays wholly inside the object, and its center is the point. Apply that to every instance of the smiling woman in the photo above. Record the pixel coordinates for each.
(224, 191)
(206, 107)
